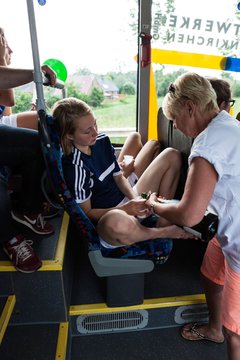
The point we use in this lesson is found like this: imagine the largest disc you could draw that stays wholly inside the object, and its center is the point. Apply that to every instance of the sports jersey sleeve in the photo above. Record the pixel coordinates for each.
(90, 177)
(78, 179)
(1, 112)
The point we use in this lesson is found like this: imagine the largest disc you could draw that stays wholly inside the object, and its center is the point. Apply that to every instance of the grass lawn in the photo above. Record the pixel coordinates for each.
(117, 113)
(122, 114)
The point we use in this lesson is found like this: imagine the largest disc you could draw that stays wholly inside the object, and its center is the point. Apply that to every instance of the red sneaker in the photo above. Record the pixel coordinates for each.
(22, 254)
(35, 222)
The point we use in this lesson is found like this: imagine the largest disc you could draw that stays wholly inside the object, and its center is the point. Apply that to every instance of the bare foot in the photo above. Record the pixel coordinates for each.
(194, 332)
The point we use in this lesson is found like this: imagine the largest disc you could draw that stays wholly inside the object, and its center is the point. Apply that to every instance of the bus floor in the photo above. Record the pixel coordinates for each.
(161, 338)
(44, 301)
(160, 344)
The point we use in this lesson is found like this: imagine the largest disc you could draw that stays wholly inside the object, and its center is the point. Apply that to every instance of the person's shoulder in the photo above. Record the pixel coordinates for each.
(102, 138)
(73, 158)
(224, 122)
(2, 107)
(66, 158)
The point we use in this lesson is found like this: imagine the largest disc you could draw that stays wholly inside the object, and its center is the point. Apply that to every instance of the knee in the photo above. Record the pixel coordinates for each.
(174, 157)
(114, 227)
(154, 144)
(135, 137)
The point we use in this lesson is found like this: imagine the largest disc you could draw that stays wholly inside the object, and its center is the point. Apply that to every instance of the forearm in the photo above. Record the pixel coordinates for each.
(6, 95)
(201, 181)
(124, 186)
(170, 212)
(10, 78)
(182, 213)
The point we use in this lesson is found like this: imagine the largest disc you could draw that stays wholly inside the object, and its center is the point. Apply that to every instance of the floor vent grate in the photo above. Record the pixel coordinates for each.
(191, 313)
(112, 322)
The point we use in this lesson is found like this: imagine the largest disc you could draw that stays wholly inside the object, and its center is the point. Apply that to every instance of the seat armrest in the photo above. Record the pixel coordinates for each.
(104, 266)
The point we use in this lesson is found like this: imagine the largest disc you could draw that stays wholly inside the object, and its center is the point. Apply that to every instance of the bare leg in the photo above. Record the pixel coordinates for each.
(118, 228)
(28, 119)
(233, 342)
(213, 294)
(146, 155)
(212, 330)
(162, 174)
(231, 294)
(132, 146)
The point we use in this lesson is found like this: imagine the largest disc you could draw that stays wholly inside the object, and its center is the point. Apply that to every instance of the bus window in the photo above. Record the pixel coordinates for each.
(113, 69)
(97, 42)
(187, 36)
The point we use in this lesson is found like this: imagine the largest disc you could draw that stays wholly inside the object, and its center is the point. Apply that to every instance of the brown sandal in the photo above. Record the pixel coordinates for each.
(195, 335)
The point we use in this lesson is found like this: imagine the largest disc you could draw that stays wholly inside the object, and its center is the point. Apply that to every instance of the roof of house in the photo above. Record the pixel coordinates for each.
(87, 82)
(107, 85)
(84, 82)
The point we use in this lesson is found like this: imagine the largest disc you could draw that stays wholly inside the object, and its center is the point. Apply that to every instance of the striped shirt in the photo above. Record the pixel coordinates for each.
(92, 176)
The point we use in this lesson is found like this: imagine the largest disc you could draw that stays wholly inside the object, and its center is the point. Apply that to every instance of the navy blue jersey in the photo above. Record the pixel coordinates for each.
(92, 176)
(2, 108)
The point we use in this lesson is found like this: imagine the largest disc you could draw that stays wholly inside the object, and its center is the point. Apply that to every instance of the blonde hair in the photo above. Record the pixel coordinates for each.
(189, 86)
(65, 112)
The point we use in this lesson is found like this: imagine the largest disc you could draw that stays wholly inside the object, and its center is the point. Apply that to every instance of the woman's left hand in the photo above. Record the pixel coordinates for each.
(151, 199)
(127, 169)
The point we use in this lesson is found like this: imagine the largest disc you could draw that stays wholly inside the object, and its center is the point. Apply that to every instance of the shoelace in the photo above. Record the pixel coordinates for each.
(40, 221)
(23, 250)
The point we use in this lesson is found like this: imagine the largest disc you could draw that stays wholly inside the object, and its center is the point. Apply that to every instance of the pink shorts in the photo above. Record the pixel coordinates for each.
(215, 268)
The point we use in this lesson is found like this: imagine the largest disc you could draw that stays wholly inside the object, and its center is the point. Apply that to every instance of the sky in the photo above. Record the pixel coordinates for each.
(77, 32)
(93, 34)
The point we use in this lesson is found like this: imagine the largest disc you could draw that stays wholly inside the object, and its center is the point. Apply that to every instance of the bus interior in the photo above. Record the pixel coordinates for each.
(82, 305)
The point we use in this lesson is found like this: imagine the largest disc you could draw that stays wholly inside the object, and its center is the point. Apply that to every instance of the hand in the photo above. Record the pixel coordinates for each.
(48, 71)
(3, 50)
(136, 207)
(151, 199)
(33, 107)
(127, 169)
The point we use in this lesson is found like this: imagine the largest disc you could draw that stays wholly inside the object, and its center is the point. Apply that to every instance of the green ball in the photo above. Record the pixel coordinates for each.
(58, 67)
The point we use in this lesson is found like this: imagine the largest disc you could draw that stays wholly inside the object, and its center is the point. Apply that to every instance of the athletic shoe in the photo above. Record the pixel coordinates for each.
(22, 254)
(49, 211)
(35, 222)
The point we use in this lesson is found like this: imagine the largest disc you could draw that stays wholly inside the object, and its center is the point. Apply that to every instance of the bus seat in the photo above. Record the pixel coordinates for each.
(122, 263)
(170, 137)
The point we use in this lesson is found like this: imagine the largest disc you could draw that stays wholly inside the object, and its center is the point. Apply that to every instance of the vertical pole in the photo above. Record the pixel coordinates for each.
(38, 79)
(143, 72)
